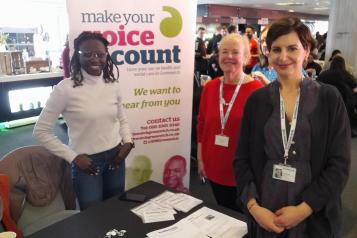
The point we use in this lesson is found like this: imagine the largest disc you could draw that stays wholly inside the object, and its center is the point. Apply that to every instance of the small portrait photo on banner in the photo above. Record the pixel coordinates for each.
(138, 172)
(174, 172)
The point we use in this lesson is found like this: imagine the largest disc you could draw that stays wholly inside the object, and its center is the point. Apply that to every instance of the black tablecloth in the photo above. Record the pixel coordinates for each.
(113, 213)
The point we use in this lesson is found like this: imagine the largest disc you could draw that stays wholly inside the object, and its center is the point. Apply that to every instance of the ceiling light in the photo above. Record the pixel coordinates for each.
(320, 8)
(282, 4)
(291, 4)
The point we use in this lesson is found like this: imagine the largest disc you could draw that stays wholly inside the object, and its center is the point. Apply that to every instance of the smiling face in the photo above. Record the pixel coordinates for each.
(92, 57)
(174, 172)
(231, 55)
(287, 55)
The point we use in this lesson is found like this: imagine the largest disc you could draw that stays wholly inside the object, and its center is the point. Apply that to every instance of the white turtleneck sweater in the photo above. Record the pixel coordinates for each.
(94, 115)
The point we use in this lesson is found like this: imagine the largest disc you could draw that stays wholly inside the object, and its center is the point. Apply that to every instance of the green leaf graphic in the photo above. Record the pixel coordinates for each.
(171, 26)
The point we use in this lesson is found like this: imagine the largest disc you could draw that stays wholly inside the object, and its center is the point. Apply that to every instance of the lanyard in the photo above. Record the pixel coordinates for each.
(224, 118)
(287, 142)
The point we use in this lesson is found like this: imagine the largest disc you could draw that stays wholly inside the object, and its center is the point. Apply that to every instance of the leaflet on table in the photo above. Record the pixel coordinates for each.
(151, 206)
(178, 230)
(162, 197)
(215, 224)
(157, 215)
(161, 207)
(203, 223)
(183, 202)
(179, 201)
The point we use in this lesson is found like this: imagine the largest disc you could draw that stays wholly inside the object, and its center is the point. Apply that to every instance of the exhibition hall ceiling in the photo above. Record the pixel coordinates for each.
(320, 7)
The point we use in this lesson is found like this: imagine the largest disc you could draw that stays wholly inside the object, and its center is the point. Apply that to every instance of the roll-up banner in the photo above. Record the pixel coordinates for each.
(152, 43)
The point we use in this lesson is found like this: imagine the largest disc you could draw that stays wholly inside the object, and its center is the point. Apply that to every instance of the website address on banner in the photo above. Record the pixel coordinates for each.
(154, 132)
(159, 140)
(155, 136)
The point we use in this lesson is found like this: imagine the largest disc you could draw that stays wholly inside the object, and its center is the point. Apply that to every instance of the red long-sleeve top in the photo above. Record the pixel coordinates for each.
(218, 159)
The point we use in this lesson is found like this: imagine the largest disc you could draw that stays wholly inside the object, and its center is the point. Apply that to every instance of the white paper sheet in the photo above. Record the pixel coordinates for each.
(183, 202)
(215, 224)
(178, 230)
(157, 215)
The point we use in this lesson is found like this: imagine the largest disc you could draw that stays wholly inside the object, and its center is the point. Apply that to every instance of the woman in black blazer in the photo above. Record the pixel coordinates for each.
(293, 156)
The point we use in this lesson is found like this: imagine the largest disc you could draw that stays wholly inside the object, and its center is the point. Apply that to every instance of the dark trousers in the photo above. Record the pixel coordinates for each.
(226, 196)
(92, 189)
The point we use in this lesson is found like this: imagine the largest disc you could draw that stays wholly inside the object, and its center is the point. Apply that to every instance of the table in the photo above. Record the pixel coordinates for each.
(114, 213)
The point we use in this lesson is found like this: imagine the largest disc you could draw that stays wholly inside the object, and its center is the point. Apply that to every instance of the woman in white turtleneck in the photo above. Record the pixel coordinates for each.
(99, 134)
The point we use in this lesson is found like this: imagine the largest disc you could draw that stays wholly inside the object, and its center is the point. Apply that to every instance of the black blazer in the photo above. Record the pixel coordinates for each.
(330, 150)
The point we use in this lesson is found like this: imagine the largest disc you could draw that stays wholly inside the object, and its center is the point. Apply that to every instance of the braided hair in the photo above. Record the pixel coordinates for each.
(75, 67)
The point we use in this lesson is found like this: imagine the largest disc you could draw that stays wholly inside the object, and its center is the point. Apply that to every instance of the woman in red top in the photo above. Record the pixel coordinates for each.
(220, 114)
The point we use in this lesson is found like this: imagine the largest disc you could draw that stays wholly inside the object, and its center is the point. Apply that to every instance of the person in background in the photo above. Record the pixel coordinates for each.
(220, 113)
(312, 68)
(98, 130)
(214, 70)
(224, 31)
(139, 172)
(174, 172)
(300, 127)
(232, 29)
(338, 76)
(322, 47)
(249, 32)
(212, 46)
(327, 64)
(200, 53)
(65, 59)
(201, 68)
(337, 52)
(264, 71)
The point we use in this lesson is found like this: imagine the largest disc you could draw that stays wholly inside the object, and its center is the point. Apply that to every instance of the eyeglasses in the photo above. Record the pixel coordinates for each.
(90, 54)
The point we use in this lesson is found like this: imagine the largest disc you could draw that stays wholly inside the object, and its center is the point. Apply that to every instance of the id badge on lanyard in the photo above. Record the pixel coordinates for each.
(284, 171)
(221, 139)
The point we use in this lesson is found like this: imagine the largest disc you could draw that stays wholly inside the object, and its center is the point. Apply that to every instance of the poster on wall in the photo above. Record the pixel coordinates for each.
(152, 43)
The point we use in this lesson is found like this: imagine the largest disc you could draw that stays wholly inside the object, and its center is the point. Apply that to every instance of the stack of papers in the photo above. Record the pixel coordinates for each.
(162, 207)
(154, 212)
(203, 223)
(183, 202)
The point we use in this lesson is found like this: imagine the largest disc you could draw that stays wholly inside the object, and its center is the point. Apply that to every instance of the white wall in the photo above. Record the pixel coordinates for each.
(46, 15)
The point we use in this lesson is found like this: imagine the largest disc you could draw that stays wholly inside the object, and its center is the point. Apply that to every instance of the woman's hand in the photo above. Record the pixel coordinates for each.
(291, 216)
(121, 155)
(85, 164)
(200, 164)
(265, 218)
(201, 169)
(261, 77)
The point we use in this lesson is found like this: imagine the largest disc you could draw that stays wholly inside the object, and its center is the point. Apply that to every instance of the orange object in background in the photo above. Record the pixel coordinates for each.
(7, 220)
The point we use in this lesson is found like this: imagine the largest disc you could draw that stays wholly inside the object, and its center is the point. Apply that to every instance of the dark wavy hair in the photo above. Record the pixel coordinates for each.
(334, 52)
(287, 25)
(75, 67)
(338, 63)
